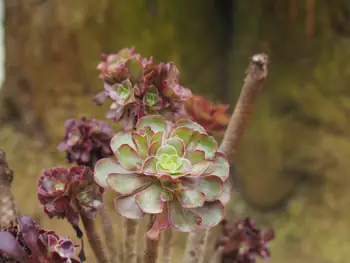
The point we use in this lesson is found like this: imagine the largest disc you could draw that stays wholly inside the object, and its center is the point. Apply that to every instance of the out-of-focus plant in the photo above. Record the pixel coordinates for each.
(166, 166)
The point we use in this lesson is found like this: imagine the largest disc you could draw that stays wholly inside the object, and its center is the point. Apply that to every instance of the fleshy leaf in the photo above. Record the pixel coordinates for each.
(152, 151)
(156, 123)
(201, 167)
(134, 67)
(184, 133)
(182, 219)
(210, 186)
(190, 124)
(158, 136)
(191, 198)
(151, 97)
(195, 156)
(10, 247)
(104, 167)
(141, 144)
(150, 166)
(121, 138)
(220, 167)
(211, 213)
(226, 194)
(149, 199)
(185, 167)
(160, 223)
(129, 158)
(178, 144)
(203, 142)
(167, 150)
(127, 183)
(127, 207)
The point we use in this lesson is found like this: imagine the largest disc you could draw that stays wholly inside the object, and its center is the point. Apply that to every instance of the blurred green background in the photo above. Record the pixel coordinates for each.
(291, 167)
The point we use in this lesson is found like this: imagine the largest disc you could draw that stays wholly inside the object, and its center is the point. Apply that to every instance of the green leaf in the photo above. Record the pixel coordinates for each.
(190, 124)
(211, 213)
(149, 199)
(203, 142)
(226, 194)
(126, 207)
(202, 167)
(210, 186)
(151, 97)
(121, 138)
(141, 144)
(103, 168)
(129, 158)
(126, 184)
(166, 150)
(220, 167)
(185, 167)
(150, 166)
(195, 156)
(155, 122)
(178, 144)
(182, 219)
(152, 151)
(135, 70)
(184, 133)
(190, 198)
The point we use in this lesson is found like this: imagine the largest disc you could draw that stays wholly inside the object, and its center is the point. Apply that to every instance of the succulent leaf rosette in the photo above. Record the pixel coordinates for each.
(173, 171)
(137, 88)
(69, 192)
(85, 140)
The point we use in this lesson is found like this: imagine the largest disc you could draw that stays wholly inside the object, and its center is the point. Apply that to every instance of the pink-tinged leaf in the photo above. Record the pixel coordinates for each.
(182, 219)
(210, 186)
(104, 167)
(152, 151)
(157, 137)
(150, 166)
(126, 184)
(178, 144)
(61, 203)
(126, 206)
(211, 213)
(129, 158)
(135, 70)
(155, 122)
(185, 167)
(141, 144)
(10, 247)
(190, 198)
(190, 124)
(226, 194)
(203, 142)
(161, 222)
(220, 167)
(184, 133)
(202, 167)
(149, 199)
(120, 139)
(195, 157)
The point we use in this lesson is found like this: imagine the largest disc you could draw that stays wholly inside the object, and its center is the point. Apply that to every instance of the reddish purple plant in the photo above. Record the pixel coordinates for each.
(86, 141)
(243, 242)
(65, 193)
(28, 243)
(138, 88)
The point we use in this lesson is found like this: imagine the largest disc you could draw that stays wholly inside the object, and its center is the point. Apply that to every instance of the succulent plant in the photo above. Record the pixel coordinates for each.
(173, 171)
(69, 192)
(28, 243)
(137, 88)
(243, 242)
(212, 117)
(86, 140)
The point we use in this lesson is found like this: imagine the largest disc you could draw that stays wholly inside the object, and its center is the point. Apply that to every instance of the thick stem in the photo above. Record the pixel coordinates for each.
(167, 244)
(130, 241)
(151, 251)
(8, 208)
(195, 246)
(94, 239)
(256, 75)
(110, 238)
(217, 256)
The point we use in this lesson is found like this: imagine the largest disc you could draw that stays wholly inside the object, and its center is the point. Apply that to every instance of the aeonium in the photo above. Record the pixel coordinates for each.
(173, 171)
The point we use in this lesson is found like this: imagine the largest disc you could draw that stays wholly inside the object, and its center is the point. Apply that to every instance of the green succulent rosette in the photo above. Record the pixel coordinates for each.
(173, 171)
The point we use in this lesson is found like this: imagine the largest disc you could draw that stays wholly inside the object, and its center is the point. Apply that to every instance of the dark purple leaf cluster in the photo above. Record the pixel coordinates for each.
(65, 193)
(26, 242)
(138, 87)
(86, 140)
(243, 242)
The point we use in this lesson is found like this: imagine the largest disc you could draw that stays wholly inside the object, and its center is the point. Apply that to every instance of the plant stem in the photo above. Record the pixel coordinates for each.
(217, 256)
(167, 244)
(196, 241)
(254, 80)
(94, 239)
(130, 241)
(8, 208)
(111, 241)
(151, 251)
